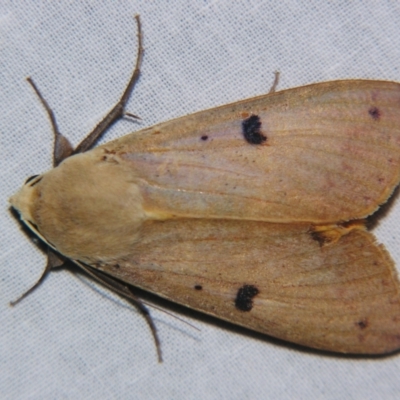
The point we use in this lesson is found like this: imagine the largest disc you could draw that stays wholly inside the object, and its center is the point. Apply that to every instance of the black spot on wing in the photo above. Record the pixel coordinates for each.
(251, 129)
(244, 297)
(204, 137)
(374, 112)
(362, 324)
(198, 287)
(319, 237)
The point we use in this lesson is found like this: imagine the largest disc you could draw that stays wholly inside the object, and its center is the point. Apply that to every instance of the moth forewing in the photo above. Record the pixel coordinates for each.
(320, 161)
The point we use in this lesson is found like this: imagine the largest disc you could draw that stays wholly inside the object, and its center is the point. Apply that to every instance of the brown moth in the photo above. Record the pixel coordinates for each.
(252, 212)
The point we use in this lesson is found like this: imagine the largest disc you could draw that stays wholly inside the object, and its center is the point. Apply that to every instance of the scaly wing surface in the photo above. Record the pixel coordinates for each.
(332, 153)
(273, 278)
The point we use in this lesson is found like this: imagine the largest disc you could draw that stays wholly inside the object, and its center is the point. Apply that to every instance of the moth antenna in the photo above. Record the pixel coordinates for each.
(124, 291)
(62, 146)
(117, 111)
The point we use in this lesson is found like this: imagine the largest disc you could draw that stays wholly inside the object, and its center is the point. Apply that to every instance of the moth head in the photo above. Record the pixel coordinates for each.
(23, 201)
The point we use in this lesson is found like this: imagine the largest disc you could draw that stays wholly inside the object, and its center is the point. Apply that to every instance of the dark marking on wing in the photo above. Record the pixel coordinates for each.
(320, 238)
(198, 287)
(244, 297)
(204, 137)
(362, 324)
(106, 151)
(251, 129)
(374, 112)
(110, 156)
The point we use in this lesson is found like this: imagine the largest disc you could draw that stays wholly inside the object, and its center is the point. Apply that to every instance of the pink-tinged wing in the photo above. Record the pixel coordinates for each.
(322, 153)
(273, 278)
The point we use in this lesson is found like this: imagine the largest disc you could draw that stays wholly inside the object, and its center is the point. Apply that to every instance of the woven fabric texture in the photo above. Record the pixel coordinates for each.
(75, 340)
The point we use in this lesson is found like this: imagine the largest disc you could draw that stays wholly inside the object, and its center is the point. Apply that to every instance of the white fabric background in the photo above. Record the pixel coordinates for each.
(68, 340)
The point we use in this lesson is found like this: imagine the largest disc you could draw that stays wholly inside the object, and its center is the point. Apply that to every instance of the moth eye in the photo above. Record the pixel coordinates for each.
(30, 178)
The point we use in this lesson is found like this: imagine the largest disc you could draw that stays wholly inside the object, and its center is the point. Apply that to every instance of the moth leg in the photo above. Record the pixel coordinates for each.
(53, 261)
(62, 147)
(118, 111)
(124, 291)
(275, 83)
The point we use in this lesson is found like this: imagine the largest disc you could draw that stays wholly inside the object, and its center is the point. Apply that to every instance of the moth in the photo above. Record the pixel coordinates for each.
(253, 212)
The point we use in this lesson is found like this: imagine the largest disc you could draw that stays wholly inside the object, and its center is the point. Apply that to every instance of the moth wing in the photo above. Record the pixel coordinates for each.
(332, 153)
(275, 279)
